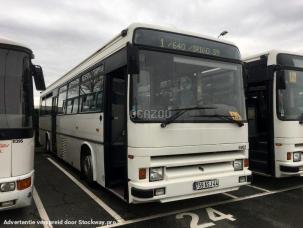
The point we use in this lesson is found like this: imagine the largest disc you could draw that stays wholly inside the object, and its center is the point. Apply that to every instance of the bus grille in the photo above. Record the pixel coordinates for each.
(197, 164)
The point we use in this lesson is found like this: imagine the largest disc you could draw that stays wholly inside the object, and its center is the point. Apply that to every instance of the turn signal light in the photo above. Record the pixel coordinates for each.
(246, 162)
(23, 184)
(142, 174)
(288, 155)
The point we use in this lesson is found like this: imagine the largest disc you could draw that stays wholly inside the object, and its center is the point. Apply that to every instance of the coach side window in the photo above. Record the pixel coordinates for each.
(72, 97)
(48, 105)
(62, 100)
(91, 91)
(42, 106)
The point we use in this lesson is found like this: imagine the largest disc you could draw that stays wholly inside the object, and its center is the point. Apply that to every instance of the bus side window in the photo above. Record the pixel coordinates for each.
(42, 107)
(99, 102)
(62, 100)
(69, 106)
(81, 103)
(48, 105)
(55, 105)
(88, 103)
(75, 105)
(64, 107)
(72, 97)
(91, 91)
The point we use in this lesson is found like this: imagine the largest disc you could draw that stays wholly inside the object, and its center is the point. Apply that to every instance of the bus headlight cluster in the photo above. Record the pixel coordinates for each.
(297, 156)
(7, 187)
(238, 165)
(156, 174)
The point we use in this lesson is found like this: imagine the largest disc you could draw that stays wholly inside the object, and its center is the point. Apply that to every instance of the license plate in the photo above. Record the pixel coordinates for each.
(198, 185)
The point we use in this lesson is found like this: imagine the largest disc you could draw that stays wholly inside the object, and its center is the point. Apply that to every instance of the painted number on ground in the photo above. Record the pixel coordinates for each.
(213, 215)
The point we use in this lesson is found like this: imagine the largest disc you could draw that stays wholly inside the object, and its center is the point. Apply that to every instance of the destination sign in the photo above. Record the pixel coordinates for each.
(290, 60)
(168, 40)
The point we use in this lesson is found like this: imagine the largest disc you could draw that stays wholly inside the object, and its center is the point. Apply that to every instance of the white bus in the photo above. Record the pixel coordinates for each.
(155, 115)
(275, 113)
(16, 127)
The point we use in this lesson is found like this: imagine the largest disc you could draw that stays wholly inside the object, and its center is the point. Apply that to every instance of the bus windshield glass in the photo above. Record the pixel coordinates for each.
(169, 82)
(15, 89)
(290, 98)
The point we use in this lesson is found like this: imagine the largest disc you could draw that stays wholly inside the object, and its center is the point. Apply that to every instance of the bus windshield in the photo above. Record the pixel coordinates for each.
(290, 98)
(15, 89)
(168, 82)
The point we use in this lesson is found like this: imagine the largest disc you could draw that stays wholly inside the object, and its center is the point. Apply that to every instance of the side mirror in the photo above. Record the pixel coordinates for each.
(38, 77)
(281, 84)
(132, 59)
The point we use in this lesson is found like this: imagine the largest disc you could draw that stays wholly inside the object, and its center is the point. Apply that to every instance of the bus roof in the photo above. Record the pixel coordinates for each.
(115, 44)
(271, 55)
(8, 42)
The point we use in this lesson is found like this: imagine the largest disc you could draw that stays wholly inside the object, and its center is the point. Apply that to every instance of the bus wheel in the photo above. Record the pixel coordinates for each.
(87, 169)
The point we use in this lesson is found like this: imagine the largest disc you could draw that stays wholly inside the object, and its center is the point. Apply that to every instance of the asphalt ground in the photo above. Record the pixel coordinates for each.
(62, 199)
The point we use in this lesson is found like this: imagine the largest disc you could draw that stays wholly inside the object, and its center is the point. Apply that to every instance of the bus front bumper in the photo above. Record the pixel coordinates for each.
(291, 168)
(182, 188)
(16, 198)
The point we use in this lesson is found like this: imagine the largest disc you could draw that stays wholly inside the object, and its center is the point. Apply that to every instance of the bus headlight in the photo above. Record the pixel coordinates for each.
(238, 165)
(7, 187)
(297, 156)
(156, 174)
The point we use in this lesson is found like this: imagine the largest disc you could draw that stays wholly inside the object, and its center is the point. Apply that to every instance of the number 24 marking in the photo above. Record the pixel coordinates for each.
(213, 215)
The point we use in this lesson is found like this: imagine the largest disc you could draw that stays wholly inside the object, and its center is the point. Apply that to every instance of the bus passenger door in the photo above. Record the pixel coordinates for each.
(259, 115)
(53, 125)
(115, 131)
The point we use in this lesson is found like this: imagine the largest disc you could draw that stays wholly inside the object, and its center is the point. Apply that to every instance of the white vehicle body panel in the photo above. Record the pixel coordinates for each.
(5, 158)
(216, 145)
(288, 135)
(16, 158)
(21, 198)
(17, 163)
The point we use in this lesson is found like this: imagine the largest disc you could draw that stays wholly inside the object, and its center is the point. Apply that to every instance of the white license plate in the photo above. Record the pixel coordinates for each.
(198, 185)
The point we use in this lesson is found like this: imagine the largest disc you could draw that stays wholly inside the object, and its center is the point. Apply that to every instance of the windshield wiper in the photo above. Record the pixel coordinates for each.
(180, 112)
(224, 117)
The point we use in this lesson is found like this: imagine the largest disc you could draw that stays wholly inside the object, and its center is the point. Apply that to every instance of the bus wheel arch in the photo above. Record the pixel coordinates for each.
(87, 164)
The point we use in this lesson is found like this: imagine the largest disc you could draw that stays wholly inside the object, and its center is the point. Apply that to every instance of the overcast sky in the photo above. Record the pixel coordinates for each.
(63, 32)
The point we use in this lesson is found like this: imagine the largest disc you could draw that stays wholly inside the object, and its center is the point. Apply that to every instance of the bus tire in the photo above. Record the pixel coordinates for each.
(87, 169)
